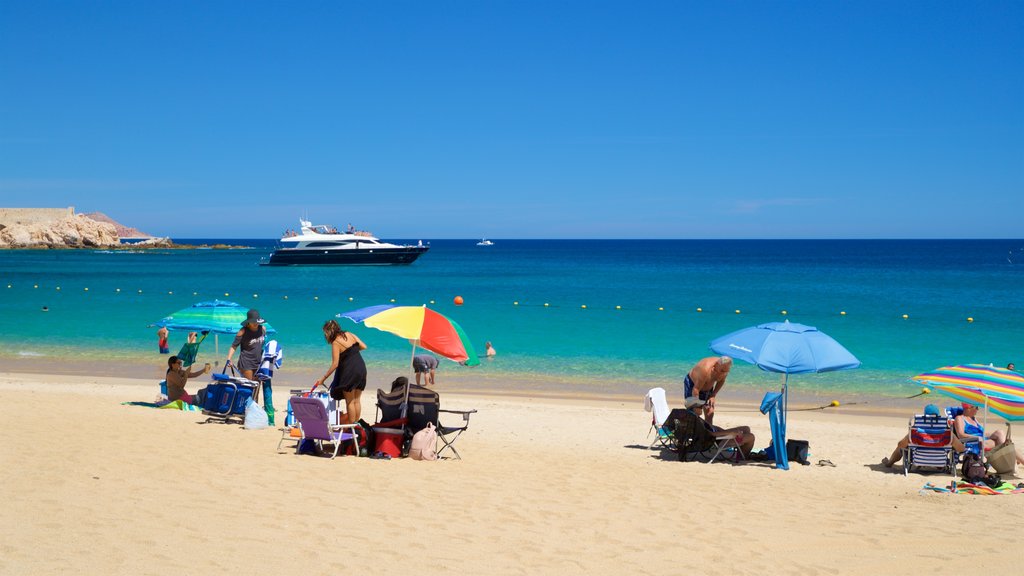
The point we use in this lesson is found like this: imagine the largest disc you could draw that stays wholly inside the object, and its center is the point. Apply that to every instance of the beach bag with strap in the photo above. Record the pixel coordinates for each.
(973, 469)
(424, 443)
(1003, 458)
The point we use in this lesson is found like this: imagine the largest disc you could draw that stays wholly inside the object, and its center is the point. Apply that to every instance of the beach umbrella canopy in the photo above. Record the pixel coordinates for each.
(217, 316)
(423, 326)
(786, 348)
(994, 382)
(996, 389)
(1010, 410)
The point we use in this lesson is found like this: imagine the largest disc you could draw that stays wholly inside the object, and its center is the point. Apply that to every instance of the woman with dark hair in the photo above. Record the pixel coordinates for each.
(176, 377)
(348, 368)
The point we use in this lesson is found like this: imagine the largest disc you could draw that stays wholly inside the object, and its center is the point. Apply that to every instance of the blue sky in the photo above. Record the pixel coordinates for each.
(462, 119)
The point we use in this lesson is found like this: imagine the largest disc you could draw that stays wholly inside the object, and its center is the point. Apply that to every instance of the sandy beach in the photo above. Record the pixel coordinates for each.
(547, 485)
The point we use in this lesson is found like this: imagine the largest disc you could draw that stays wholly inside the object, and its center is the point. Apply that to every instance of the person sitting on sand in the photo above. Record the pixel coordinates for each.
(705, 381)
(177, 376)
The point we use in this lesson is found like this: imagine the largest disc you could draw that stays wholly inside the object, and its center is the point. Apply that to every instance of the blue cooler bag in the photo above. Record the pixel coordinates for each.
(226, 398)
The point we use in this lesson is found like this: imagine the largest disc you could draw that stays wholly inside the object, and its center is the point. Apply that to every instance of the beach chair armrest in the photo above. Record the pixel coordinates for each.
(465, 413)
(966, 439)
(396, 423)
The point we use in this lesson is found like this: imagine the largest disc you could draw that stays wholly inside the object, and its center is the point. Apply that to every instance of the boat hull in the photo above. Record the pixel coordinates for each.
(351, 257)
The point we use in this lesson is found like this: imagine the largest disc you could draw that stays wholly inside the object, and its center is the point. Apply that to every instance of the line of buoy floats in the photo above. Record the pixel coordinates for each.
(459, 301)
(836, 403)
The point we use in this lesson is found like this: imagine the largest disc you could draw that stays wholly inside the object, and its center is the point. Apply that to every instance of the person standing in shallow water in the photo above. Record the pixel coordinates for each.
(161, 340)
(425, 365)
(348, 368)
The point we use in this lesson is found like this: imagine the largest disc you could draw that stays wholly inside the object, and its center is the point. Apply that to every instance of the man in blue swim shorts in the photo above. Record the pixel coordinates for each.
(705, 381)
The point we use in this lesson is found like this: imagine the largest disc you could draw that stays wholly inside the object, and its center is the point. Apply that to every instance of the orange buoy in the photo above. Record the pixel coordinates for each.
(458, 300)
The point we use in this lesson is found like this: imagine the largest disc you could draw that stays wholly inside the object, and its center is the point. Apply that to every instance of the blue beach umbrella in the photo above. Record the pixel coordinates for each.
(217, 316)
(786, 348)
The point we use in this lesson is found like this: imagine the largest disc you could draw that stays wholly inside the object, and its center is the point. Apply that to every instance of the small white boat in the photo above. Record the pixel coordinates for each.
(485, 242)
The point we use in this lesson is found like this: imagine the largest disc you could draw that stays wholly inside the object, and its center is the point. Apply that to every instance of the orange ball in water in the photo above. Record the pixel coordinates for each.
(458, 300)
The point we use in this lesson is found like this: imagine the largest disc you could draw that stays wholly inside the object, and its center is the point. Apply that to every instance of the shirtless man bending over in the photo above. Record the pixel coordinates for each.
(705, 381)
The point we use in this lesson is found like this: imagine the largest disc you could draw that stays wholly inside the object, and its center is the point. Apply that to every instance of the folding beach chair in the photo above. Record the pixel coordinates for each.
(664, 430)
(931, 444)
(189, 351)
(313, 423)
(449, 434)
(696, 438)
(422, 407)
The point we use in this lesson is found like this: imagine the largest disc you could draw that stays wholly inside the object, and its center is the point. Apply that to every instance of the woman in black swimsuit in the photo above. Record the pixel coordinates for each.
(348, 368)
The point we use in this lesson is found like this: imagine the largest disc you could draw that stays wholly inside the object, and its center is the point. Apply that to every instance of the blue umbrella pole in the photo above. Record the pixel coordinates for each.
(785, 397)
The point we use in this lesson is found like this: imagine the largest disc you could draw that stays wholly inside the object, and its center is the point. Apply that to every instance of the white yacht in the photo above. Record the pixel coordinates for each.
(485, 242)
(317, 244)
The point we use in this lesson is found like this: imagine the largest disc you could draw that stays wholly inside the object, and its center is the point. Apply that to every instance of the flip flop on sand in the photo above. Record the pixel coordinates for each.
(826, 463)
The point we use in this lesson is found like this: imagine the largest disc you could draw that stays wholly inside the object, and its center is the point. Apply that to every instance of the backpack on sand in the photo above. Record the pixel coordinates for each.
(424, 443)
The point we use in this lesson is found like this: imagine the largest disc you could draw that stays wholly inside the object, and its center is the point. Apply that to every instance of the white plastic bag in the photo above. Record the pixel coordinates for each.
(255, 417)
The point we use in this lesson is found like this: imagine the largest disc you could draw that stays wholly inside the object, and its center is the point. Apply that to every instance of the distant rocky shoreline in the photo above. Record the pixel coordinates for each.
(62, 229)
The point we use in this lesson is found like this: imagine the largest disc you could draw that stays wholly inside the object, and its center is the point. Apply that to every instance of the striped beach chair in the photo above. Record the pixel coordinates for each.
(931, 444)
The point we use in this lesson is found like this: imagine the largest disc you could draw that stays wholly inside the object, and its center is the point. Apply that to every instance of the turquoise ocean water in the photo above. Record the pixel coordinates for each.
(640, 325)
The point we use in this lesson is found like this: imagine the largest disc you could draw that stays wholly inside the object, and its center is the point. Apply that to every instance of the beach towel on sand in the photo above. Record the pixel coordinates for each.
(175, 405)
(976, 489)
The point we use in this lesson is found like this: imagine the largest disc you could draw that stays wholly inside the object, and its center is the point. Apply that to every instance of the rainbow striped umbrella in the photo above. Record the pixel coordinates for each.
(1011, 410)
(999, 389)
(423, 326)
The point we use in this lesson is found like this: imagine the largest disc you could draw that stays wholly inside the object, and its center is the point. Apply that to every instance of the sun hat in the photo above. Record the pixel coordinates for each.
(932, 410)
(253, 317)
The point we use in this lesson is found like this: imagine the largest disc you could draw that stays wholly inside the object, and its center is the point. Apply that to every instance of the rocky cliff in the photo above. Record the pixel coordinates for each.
(122, 230)
(69, 232)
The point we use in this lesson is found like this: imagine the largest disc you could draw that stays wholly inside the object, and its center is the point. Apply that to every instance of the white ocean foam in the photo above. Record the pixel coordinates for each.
(30, 353)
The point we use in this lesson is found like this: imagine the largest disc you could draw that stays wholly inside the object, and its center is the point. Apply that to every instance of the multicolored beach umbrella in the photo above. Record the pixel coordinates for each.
(994, 382)
(1010, 410)
(421, 325)
(998, 389)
